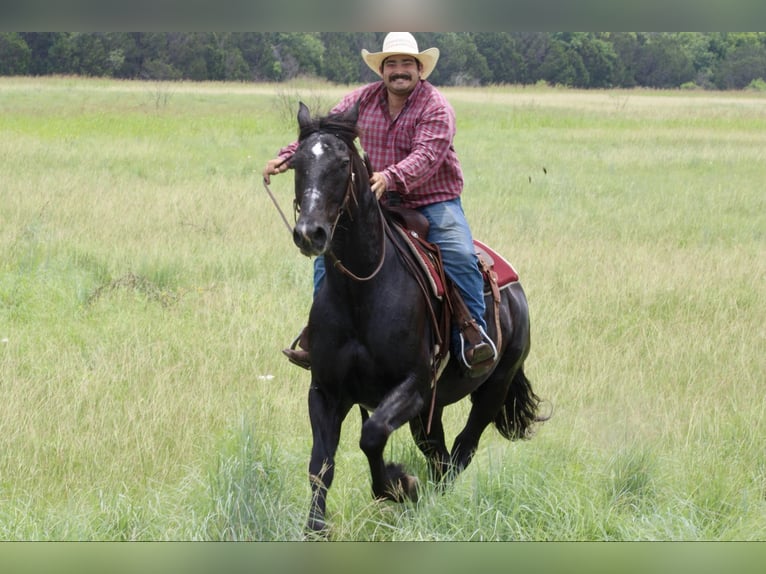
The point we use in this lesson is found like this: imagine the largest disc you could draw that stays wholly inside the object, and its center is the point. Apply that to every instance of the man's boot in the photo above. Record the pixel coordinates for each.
(473, 348)
(477, 352)
(299, 356)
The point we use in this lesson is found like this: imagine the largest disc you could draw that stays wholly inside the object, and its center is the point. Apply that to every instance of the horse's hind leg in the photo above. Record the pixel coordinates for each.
(402, 404)
(432, 444)
(486, 402)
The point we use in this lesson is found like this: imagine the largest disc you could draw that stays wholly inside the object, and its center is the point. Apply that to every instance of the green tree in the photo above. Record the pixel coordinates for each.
(742, 65)
(724, 60)
(92, 52)
(192, 55)
(564, 66)
(14, 54)
(338, 65)
(460, 62)
(151, 59)
(235, 66)
(298, 54)
(627, 47)
(663, 63)
(704, 51)
(62, 55)
(87, 54)
(505, 63)
(533, 48)
(342, 62)
(257, 51)
(39, 45)
(598, 58)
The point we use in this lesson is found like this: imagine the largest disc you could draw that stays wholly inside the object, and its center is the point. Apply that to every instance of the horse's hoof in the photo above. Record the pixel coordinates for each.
(410, 487)
(404, 488)
(316, 529)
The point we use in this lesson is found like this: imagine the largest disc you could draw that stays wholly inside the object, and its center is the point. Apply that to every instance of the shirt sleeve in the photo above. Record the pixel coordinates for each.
(288, 151)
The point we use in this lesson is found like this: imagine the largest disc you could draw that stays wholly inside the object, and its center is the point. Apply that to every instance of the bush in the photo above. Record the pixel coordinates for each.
(757, 85)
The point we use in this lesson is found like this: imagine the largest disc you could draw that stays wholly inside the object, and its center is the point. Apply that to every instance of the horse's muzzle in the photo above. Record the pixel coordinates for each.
(311, 238)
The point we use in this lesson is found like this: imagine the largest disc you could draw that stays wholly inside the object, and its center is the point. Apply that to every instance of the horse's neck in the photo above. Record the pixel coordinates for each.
(360, 245)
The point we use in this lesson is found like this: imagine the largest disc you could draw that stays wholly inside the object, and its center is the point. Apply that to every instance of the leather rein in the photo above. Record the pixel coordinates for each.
(351, 193)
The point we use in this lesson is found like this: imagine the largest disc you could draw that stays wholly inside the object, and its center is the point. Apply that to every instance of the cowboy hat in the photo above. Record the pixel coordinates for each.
(396, 43)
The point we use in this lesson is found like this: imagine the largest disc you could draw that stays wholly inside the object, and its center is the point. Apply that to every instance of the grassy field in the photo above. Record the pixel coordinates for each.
(147, 286)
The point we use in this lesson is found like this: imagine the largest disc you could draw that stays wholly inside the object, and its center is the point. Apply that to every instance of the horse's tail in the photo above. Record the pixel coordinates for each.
(518, 415)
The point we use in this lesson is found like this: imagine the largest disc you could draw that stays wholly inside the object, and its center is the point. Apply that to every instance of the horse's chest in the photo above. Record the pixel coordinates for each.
(365, 372)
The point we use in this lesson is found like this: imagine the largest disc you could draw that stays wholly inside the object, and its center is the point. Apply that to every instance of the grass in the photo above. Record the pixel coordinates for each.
(147, 285)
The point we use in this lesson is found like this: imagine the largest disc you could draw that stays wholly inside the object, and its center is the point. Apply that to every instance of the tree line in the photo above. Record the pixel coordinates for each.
(708, 60)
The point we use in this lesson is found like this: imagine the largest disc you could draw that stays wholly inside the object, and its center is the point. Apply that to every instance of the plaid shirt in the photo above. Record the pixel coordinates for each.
(414, 151)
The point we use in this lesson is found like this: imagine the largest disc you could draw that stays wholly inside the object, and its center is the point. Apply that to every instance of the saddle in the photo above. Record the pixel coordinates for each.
(410, 228)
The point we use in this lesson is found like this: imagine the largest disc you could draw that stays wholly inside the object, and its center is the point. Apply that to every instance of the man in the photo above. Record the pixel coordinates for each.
(407, 129)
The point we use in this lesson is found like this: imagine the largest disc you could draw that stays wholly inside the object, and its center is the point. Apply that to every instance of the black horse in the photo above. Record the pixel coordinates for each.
(371, 337)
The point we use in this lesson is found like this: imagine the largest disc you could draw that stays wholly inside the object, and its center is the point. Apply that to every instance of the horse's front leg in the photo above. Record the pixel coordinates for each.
(326, 416)
(398, 407)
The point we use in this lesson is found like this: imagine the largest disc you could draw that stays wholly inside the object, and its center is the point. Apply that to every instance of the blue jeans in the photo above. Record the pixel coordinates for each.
(450, 231)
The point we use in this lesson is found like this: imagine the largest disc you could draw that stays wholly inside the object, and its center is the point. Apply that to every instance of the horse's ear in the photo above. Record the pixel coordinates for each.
(304, 115)
(352, 114)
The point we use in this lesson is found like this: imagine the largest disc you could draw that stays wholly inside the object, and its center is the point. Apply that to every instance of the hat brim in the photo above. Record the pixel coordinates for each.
(427, 58)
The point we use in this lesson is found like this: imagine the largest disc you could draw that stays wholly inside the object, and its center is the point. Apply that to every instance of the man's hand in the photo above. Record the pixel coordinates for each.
(378, 184)
(273, 167)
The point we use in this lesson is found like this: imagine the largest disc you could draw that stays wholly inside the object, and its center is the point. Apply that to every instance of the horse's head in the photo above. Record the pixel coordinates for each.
(323, 176)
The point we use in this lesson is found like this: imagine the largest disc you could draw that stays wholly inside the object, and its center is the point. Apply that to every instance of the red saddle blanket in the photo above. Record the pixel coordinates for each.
(504, 271)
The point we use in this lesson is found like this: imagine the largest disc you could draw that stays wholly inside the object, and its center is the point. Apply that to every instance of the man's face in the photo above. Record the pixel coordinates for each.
(401, 73)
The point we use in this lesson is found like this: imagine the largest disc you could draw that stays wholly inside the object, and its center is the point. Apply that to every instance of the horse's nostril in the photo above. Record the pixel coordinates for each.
(319, 236)
(311, 239)
(297, 237)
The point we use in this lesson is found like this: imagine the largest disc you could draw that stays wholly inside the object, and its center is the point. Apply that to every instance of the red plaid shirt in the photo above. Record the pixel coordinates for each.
(415, 150)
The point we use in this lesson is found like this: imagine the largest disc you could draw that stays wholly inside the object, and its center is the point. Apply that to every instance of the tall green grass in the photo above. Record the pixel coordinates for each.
(147, 285)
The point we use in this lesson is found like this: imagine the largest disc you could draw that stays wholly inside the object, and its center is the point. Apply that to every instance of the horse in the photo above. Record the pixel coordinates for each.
(371, 337)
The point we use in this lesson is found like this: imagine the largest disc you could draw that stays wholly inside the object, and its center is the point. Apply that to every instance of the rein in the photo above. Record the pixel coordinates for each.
(276, 203)
(351, 193)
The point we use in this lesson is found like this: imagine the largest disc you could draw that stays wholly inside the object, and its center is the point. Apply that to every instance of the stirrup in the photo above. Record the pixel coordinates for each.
(296, 356)
(482, 362)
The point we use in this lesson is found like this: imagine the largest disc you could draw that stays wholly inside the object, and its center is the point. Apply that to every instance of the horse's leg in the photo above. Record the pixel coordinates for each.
(399, 406)
(432, 444)
(326, 417)
(486, 401)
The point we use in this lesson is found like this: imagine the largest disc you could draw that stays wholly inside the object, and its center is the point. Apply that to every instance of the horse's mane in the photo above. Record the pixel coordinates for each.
(334, 124)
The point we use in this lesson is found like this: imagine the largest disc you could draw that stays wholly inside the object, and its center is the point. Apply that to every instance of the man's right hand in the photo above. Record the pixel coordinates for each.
(273, 167)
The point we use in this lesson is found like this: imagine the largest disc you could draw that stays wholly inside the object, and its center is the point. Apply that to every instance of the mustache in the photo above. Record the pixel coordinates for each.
(393, 77)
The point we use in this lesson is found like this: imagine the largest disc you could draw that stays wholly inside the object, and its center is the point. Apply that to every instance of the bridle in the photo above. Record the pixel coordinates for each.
(350, 194)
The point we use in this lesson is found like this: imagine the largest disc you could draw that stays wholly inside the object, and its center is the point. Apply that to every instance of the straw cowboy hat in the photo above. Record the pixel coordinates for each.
(396, 43)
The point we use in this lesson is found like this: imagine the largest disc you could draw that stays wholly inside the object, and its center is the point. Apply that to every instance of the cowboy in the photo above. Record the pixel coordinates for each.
(407, 130)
